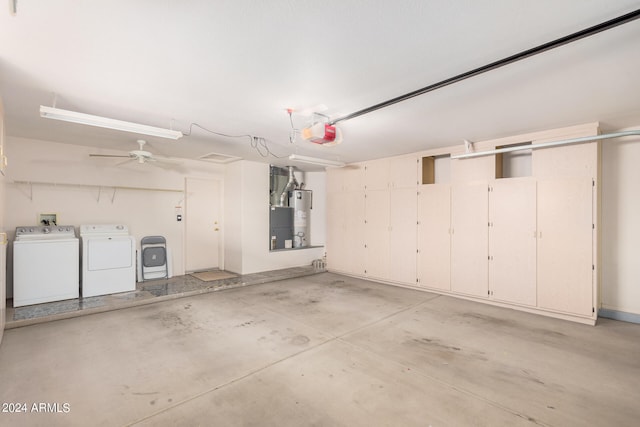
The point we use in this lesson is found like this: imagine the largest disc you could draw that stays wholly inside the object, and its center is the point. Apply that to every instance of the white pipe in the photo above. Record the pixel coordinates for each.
(548, 144)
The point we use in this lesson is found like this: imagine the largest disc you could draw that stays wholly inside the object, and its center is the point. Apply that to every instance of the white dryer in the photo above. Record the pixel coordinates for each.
(108, 259)
(46, 265)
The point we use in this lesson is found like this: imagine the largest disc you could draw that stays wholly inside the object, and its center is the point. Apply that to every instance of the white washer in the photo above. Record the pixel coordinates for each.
(108, 259)
(46, 264)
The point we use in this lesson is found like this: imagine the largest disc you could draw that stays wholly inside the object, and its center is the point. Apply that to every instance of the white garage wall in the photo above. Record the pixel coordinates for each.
(145, 212)
(621, 225)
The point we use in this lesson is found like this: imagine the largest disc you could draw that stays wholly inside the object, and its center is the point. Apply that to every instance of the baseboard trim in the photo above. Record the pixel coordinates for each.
(619, 315)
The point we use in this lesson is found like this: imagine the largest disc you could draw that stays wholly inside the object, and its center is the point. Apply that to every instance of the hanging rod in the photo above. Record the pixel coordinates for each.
(547, 144)
(607, 25)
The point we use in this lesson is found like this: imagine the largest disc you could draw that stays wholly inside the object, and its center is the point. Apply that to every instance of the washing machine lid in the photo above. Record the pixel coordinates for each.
(45, 232)
(104, 230)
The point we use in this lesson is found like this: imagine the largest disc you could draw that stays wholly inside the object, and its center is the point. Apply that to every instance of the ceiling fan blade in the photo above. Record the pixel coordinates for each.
(125, 162)
(166, 160)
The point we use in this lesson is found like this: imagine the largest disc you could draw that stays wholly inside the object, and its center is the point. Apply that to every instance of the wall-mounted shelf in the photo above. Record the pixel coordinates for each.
(100, 188)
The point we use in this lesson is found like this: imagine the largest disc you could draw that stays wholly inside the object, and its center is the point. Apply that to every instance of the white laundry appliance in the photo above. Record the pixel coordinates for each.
(108, 259)
(46, 264)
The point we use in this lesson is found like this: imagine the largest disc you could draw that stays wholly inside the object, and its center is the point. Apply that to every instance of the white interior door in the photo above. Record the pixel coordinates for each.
(202, 224)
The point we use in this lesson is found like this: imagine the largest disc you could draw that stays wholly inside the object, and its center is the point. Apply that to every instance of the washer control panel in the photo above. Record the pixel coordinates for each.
(44, 232)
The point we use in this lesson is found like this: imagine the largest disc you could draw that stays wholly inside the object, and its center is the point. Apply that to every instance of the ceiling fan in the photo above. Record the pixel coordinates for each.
(140, 155)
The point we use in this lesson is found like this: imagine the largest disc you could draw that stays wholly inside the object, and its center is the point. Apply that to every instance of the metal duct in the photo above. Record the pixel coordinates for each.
(291, 185)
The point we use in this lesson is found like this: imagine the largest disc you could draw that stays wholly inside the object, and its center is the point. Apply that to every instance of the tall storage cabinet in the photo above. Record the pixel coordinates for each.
(527, 240)
(565, 236)
(345, 214)
(568, 228)
(390, 219)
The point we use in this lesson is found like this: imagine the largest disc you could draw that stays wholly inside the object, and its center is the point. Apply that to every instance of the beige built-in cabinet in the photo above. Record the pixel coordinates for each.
(526, 241)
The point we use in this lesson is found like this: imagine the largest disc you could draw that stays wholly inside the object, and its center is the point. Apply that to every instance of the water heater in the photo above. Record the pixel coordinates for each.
(302, 202)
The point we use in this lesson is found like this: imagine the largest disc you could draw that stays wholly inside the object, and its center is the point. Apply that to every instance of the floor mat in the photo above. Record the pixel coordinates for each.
(208, 276)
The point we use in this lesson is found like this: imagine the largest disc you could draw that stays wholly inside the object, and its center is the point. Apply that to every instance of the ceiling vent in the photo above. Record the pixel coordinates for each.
(219, 158)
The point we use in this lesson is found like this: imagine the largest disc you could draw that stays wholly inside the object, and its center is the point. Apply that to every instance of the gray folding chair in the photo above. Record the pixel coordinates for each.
(154, 258)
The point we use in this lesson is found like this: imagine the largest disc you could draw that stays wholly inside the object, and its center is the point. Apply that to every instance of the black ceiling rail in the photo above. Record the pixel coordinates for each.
(607, 25)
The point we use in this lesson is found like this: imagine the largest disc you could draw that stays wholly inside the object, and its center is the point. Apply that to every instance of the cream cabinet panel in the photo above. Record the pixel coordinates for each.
(434, 238)
(336, 228)
(469, 239)
(569, 161)
(512, 240)
(474, 169)
(377, 233)
(345, 232)
(352, 177)
(403, 239)
(376, 175)
(348, 178)
(354, 232)
(403, 172)
(335, 179)
(565, 251)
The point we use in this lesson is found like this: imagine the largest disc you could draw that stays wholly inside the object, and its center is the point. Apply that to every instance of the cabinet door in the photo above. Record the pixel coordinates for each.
(512, 240)
(335, 180)
(377, 234)
(336, 226)
(352, 177)
(434, 238)
(354, 232)
(403, 172)
(565, 236)
(469, 239)
(345, 232)
(402, 248)
(376, 175)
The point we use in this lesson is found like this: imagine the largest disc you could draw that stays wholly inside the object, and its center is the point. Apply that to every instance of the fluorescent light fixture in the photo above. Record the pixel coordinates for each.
(104, 122)
(316, 161)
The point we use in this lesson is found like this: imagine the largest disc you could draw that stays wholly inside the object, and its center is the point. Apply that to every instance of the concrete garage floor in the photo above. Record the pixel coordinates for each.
(322, 350)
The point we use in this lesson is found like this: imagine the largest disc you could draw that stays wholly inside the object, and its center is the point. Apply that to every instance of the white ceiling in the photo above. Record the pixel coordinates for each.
(235, 66)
